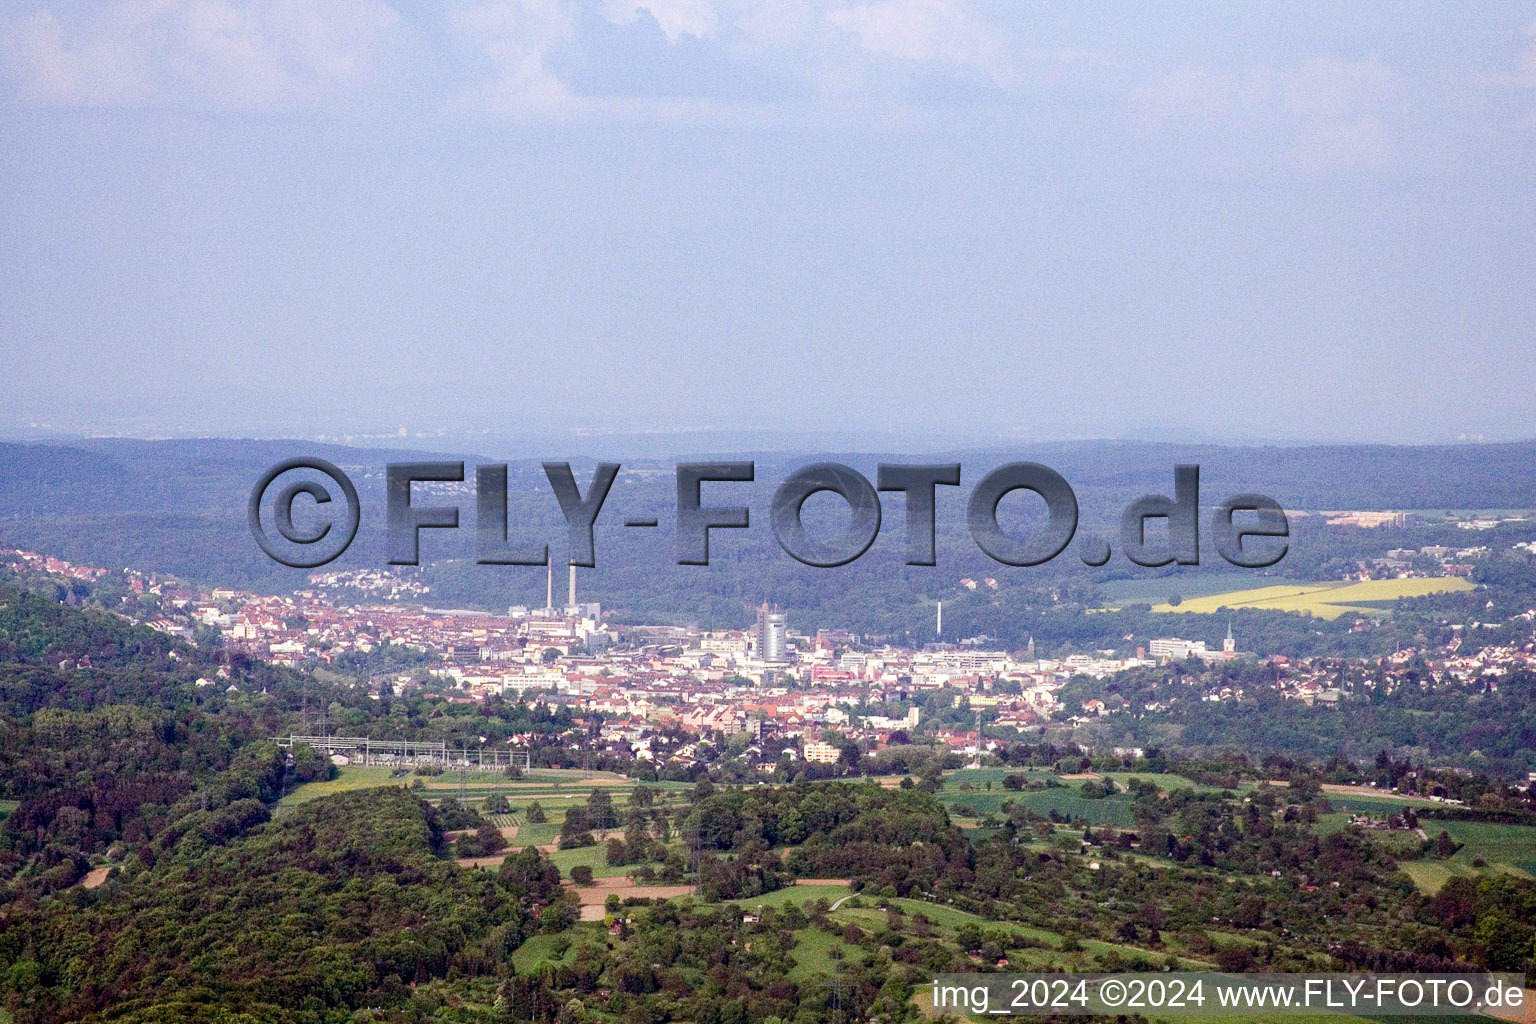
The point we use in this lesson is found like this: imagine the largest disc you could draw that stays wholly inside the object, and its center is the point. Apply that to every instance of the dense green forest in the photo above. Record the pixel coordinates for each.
(339, 904)
(1487, 725)
(106, 738)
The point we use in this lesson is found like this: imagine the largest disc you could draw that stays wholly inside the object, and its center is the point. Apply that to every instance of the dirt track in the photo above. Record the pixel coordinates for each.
(509, 833)
(593, 897)
(1525, 1014)
(481, 862)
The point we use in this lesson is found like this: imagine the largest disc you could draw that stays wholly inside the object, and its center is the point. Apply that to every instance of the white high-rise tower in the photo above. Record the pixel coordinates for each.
(772, 636)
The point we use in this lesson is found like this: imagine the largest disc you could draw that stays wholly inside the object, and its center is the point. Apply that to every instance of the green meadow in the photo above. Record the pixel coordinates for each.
(1502, 849)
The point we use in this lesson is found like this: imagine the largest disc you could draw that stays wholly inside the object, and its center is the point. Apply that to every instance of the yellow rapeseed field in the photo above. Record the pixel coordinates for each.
(1325, 600)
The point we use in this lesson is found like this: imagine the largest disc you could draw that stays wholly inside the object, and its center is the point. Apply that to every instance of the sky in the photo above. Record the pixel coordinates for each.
(947, 219)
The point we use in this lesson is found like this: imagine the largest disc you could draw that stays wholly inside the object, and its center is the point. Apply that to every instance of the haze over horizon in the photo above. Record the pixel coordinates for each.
(847, 219)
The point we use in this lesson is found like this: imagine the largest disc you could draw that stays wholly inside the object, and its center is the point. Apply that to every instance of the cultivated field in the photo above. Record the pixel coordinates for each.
(1325, 600)
(1066, 801)
(1120, 593)
(552, 787)
(594, 897)
(803, 891)
(1502, 849)
(348, 778)
(554, 950)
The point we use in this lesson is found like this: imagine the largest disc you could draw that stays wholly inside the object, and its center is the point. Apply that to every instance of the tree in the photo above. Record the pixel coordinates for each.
(310, 765)
(454, 816)
(575, 831)
(581, 874)
(489, 840)
(529, 873)
(535, 814)
(600, 812)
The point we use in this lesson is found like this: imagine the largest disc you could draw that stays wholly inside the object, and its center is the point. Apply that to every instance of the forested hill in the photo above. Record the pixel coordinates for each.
(180, 507)
(341, 903)
(53, 655)
(107, 739)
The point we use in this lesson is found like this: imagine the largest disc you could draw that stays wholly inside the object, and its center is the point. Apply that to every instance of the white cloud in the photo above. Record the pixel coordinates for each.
(780, 23)
(927, 30)
(1331, 89)
(1324, 115)
(1525, 75)
(1184, 93)
(215, 53)
(108, 66)
(697, 18)
(518, 36)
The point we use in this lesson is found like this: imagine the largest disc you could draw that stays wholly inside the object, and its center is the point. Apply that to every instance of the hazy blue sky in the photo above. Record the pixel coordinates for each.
(952, 217)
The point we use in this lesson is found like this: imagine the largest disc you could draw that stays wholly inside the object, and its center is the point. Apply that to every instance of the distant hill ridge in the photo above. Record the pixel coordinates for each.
(179, 506)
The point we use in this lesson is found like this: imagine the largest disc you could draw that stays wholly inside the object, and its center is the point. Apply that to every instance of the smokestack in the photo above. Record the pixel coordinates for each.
(549, 584)
(571, 599)
(938, 628)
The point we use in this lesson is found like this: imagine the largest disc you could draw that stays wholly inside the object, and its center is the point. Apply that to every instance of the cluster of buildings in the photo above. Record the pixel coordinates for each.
(659, 690)
(1367, 520)
(1370, 520)
(644, 680)
(35, 562)
(377, 583)
(1174, 649)
(1443, 560)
